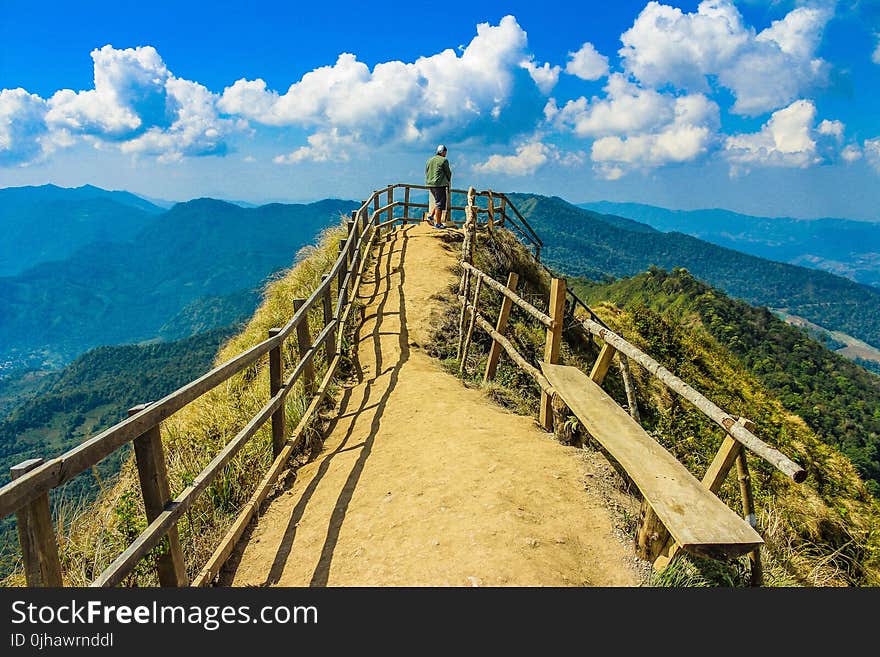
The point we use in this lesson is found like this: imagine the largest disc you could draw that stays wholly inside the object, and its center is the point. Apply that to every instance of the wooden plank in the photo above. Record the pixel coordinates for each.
(709, 409)
(500, 327)
(552, 344)
(695, 517)
(36, 535)
(156, 492)
(603, 362)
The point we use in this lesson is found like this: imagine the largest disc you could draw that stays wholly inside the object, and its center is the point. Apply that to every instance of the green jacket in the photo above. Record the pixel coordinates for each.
(437, 172)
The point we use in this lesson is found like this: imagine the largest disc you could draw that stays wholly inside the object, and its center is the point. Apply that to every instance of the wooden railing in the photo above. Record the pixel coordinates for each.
(27, 495)
(651, 539)
(504, 214)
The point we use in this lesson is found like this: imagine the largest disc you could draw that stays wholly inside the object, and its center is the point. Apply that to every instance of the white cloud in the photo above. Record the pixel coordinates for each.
(688, 135)
(129, 95)
(544, 76)
(425, 100)
(764, 70)
(851, 153)
(22, 124)
(786, 140)
(587, 63)
(626, 108)
(831, 128)
(872, 152)
(528, 158)
(329, 146)
(136, 105)
(875, 56)
(196, 128)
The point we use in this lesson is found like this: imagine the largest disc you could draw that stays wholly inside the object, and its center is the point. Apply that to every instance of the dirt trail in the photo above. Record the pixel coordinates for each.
(423, 481)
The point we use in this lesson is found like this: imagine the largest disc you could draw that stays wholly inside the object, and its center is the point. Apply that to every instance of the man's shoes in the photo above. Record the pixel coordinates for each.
(439, 226)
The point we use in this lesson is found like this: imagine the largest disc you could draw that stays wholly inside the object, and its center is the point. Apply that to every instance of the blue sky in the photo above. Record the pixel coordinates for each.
(762, 107)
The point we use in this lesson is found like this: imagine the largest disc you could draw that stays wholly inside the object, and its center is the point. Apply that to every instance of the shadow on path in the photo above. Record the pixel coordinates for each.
(382, 285)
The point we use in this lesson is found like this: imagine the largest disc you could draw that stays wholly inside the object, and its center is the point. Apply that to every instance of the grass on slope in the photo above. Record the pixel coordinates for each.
(91, 537)
(821, 532)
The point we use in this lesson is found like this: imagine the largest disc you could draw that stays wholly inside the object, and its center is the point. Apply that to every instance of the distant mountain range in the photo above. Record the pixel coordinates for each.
(136, 272)
(42, 224)
(587, 243)
(840, 246)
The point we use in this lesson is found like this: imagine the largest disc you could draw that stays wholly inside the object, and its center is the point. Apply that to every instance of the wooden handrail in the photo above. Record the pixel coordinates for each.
(513, 296)
(707, 407)
(363, 229)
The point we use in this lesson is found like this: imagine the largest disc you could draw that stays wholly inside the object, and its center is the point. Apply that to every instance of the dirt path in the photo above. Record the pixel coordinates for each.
(425, 482)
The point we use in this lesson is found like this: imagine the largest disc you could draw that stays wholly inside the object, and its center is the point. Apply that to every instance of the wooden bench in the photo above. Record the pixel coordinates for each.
(698, 521)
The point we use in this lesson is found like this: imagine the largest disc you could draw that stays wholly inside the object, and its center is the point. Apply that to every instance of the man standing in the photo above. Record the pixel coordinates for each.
(438, 176)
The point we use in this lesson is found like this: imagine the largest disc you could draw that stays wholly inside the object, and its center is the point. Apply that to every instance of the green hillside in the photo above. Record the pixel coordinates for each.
(91, 394)
(837, 398)
(124, 292)
(589, 244)
(819, 533)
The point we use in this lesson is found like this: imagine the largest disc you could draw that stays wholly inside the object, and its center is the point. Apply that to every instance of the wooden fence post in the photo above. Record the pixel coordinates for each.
(629, 387)
(36, 535)
(503, 209)
(603, 362)
(376, 216)
(470, 331)
(446, 215)
(390, 201)
(340, 280)
(500, 326)
(748, 502)
(490, 222)
(465, 292)
(405, 204)
(305, 343)
(551, 347)
(156, 491)
(276, 381)
(330, 345)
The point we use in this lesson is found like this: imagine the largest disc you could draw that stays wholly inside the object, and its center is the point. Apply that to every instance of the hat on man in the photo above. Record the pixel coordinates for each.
(440, 149)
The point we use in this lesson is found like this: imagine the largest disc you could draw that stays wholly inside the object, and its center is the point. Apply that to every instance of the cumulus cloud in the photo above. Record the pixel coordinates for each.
(136, 104)
(22, 124)
(436, 96)
(852, 153)
(625, 108)
(831, 128)
(528, 158)
(329, 146)
(686, 136)
(587, 63)
(545, 76)
(875, 56)
(788, 139)
(872, 152)
(764, 70)
(195, 130)
(129, 95)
